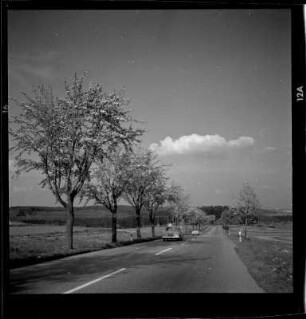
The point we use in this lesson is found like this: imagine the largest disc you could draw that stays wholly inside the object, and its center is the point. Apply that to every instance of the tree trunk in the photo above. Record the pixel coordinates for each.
(138, 223)
(69, 223)
(114, 225)
(153, 230)
(245, 226)
(152, 220)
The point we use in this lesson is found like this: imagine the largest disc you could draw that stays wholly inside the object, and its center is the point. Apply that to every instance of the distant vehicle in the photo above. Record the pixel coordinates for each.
(195, 233)
(173, 233)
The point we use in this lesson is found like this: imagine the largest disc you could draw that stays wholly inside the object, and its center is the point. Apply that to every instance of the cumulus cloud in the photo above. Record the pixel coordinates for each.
(198, 144)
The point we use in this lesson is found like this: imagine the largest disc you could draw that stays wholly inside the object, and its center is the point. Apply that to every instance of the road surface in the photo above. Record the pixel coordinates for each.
(204, 264)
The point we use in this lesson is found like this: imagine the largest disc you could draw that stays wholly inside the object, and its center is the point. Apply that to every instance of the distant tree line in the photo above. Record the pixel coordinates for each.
(214, 210)
(39, 217)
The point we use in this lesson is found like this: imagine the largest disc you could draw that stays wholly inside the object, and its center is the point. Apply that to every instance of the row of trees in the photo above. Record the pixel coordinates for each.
(197, 217)
(214, 210)
(85, 146)
(136, 176)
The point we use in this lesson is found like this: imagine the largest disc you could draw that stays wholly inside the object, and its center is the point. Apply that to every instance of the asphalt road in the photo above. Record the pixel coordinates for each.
(207, 263)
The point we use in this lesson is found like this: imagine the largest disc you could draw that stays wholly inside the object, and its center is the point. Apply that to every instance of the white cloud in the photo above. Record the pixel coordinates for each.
(269, 148)
(213, 145)
(243, 141)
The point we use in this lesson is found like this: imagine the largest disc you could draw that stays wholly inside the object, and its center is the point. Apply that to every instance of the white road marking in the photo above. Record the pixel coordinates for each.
(93, 281)
(162, 251)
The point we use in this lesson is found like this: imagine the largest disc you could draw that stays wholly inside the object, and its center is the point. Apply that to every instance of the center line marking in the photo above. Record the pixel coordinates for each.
(163, 251)
(93, 281)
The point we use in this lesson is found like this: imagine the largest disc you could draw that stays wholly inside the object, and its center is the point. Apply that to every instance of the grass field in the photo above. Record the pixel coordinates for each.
(32, 243)
(268, 256)
(278, 232)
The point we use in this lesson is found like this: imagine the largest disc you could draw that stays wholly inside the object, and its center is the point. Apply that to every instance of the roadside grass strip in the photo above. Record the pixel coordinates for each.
(270, 263)
(94, 281)
(162, 251)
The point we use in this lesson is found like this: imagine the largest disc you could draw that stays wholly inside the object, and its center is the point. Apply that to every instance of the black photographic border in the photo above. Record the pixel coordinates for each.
(167, 305)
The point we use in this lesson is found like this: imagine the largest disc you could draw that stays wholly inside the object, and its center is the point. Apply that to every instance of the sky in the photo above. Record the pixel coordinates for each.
(213, 87)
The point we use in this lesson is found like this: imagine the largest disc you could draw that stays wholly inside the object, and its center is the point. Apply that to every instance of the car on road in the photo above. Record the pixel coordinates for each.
(173, 233)
(195, 233)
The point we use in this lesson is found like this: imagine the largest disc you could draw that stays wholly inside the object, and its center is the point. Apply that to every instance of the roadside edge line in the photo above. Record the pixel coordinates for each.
(93, 281)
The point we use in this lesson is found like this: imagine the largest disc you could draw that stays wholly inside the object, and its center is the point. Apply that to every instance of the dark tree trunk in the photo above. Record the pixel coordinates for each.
(245, 226)
(153, 230)
(69, 223)
(138, 224)
(114, 225)
(152, 220)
